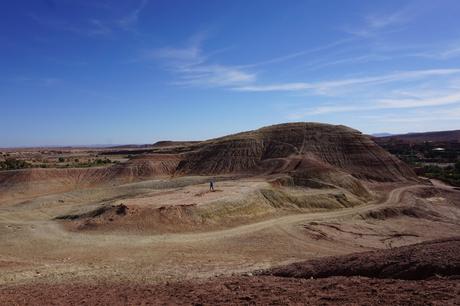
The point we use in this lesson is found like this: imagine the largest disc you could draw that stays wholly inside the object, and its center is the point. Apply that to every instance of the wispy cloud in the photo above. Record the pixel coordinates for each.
(129, 20)
(398, 93)
(190, 54)
(93, 26)
(194, 68)
(99, 28)
(320, 110)
(420, 116)
(327, 87)
(421, 100)
(449, 52)
(294, 55)
(366, 58)
(375, 23)
(383, 21)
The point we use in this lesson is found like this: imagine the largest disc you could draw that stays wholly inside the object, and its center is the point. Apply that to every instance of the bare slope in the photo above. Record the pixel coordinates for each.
(241, 290)
(310, 154)
(422, 274)
(419, 261)
(299, 147)
(305, 152)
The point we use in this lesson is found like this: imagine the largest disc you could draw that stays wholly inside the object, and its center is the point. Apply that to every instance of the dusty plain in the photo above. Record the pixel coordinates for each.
(168, 239)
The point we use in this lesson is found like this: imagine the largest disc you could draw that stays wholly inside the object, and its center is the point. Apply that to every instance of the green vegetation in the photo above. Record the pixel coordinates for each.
(449, 174)
(426, 152)
(87, 164)
(14, 164)
(439, 160)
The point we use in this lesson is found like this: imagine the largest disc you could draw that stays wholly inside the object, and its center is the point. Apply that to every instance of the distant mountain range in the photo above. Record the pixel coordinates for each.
(439, 136)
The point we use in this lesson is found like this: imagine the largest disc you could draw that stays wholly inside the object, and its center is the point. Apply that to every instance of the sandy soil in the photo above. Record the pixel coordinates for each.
(40, 254)
(427, 260)
(260, 290)
(426, 273)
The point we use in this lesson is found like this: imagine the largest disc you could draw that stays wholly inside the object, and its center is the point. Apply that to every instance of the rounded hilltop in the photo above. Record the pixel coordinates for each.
(302, 147)
(302, 153)
(288, 127)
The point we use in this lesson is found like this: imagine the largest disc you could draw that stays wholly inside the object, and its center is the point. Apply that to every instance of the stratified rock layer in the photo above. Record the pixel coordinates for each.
(308, 154)
(308, 149)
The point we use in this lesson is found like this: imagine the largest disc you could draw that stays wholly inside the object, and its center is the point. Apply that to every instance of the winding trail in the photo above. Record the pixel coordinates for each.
(53, 230)
(394, 197)
(60, 254)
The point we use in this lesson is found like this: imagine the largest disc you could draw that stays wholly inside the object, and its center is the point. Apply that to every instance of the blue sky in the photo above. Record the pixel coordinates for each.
(112, 72)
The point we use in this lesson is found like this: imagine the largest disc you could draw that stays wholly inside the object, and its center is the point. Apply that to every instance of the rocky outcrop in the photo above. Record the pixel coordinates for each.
(311, 154)
(419, 261)
(310, 150)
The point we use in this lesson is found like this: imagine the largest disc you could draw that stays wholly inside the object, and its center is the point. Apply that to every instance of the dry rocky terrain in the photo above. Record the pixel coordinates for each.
(302, 213)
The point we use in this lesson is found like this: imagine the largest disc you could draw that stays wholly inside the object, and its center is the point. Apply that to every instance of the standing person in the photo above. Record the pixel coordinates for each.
(211, 186)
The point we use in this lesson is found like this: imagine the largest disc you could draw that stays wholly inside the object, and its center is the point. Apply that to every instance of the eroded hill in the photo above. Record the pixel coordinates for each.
(284, 194)
(306, 154)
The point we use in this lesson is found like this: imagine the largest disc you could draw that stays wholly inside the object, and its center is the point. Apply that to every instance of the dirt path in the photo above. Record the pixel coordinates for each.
(394, 197)
(60, 255)
(53, 230)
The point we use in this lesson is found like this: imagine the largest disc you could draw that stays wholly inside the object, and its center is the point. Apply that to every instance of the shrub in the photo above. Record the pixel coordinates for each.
(14, 164)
